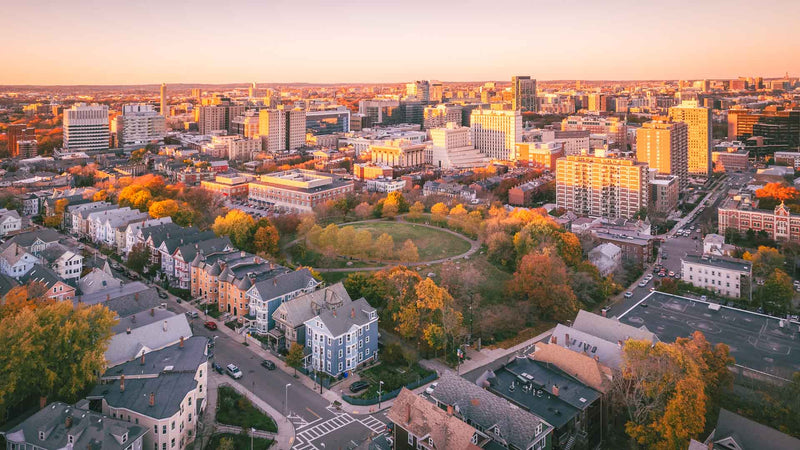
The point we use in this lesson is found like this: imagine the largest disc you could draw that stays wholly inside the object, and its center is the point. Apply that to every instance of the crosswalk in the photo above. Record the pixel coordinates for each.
(308, 433)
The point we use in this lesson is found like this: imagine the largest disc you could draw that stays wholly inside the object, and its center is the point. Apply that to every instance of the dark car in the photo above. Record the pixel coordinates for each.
(269, 365)
(133, 276)
(210, 325)
(359, 386)
(162, 294)
(218, 368)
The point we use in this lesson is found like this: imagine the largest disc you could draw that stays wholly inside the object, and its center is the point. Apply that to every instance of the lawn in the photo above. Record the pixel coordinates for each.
(393, 377)
(239, 441)
(234, 409)
(304, 256)
(431, 243)
(493, 286)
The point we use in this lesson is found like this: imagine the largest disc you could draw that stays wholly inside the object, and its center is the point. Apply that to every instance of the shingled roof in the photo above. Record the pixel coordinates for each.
(423, 419)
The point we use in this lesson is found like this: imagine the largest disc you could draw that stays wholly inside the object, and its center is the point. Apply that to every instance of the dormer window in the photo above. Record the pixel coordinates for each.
(124, 437)
(496, 430)
(538, 429)
(41, 435)
(70, 439)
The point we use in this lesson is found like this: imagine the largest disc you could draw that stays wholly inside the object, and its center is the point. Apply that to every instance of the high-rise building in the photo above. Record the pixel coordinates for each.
(440, 115)
(247, 124)
(252, 91)
(596, 186)
(27, 148)
(451, 148)
(197, 93)
(18, 132)
(139, 125)
(164, 107)
(664, 146)
(616, 129)
(282, 130)
(217, 115)
(699, 121)
(86, 127)
(419, 90)
(380, 111)
(496, 133)
(597, 103)
(437, 92)
(328, 121)
(524, 93)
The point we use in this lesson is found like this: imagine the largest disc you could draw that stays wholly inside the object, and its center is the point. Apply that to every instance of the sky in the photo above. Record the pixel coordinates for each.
(335, 41)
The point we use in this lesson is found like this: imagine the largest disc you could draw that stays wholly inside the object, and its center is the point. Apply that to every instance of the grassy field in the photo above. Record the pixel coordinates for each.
(239, 441)
(431, 243)
(235, 409)
(493, 287)
(393, 377)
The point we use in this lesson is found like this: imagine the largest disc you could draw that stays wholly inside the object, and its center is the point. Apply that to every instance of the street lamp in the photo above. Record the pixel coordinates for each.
(380, 393)
(252, 431)
(286, 399)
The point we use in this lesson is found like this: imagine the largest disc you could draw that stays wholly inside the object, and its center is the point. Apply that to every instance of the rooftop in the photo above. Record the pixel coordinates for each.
(716, 261)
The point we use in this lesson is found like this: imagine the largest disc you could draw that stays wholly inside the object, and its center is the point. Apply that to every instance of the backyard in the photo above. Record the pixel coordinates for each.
(393, 376)
(234, 409)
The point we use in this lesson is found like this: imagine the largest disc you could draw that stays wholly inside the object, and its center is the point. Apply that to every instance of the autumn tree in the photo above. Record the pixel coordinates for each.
(396, 199)
(138, 257)
(238, 225)
(777, 191)
(439, 213)
(408, 252)
(415, 211)
(164, 208)
(363, 211)
(29, 296)
(500, 250)
(765, 261)
(362, 243)
(100, 196)
(265, 239)
(389, 210)
(384, 247)
(345, 242)
(295, 356)
(777, 292)
(57, 218)
(541, 280)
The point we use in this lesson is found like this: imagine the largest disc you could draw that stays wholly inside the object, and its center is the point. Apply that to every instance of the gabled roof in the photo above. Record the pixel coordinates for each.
(190, 250)
(283, 284)
(339, 320)
(423, 419)
(126, 299)
(52, 253)
(90, 430)
(26, 239)
(736, 432)
(125, 347)
(302, 308)
(41, 274)
(179, 359)
(608, 353)
(6, 284)
(169, 390)
(516, 426)
(98, 280)
(611, 330)
(584, 368)
(14, 253)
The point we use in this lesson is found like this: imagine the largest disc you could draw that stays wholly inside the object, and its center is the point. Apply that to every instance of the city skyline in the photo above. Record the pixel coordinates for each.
(357, 42)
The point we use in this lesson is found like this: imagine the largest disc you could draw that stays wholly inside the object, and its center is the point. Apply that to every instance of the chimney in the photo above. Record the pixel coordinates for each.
(619, 343)
(334, 313)
(555, 390)
(352, 313)
(554, 339)
(122, 383)
(274, 282)
(152, 312)
(152, 399)
(181, 345)
(596, 358)
(128, 331)
(108, 297)
(142, 363)
(165, 325)
(68, 421)
(408, 413)
(604, 312)
(449, 410)
(566, 339)
(42, 402)
(136, 296)
(244, 253)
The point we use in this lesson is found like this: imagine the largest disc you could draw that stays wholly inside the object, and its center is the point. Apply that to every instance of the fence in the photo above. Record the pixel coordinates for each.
(388, 395)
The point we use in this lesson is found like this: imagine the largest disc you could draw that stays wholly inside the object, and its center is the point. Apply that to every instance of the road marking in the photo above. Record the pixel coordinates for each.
(312, 412)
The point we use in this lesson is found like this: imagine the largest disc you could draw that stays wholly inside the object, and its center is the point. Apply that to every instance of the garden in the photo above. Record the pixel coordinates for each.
(234, 409)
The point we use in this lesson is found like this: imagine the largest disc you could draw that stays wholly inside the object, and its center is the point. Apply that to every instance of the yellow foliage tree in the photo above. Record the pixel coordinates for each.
(164, 208)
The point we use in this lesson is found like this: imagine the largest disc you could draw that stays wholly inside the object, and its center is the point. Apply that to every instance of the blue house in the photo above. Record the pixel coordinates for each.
(266, 295)
(342, 336)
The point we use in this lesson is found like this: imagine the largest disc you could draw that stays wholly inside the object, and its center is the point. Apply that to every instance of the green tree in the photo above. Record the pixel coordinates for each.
(765, 261)
(295, 356)
(226, 443)
(138, 257)
(777, 292)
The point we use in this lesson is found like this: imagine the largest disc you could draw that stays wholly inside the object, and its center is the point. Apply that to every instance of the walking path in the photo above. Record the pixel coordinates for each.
(474, 246)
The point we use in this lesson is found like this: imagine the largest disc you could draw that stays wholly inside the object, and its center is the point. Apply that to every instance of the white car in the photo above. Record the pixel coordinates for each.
(233, 371)
(643, 283)
(628, 294)
(429, 389)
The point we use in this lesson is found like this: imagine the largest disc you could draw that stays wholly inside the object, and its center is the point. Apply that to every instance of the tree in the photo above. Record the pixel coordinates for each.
(777, 191)
(29, 296)
(100, 196)
(362, 243)
(384, 247)
(416, 210)
(138, 257)
(265, 239)
(777, 292)
(408, 252)
(439, 212)
(363, 211)
(295, 356)
(765, 261)
(396, 198)
(389, 210)
(500, 250)
(57, 218)
(238, 225)
(345, 243)
(164, 208)
(541, 281)
(226, 443)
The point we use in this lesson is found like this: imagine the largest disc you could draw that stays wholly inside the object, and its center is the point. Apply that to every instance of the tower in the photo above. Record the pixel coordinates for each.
(164, 111)
(524, 91)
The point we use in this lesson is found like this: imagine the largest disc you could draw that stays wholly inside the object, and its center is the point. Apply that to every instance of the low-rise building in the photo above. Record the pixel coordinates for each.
(60, 426)
(523, 194)
(15, 261)
(741, 215)
(298, 189)
(541, 154)
(607, 257)
(398, 153)
(731, 160)
(664, 193)
(371, 171)
(452, 190)
(725, 276)
(10, 221)
(229, 185)
(290, 317)
(385, 185)
(267, 294)
(57, 289)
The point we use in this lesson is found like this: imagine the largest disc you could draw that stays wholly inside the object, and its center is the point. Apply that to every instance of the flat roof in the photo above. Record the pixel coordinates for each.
(715, 261)
(755, 340)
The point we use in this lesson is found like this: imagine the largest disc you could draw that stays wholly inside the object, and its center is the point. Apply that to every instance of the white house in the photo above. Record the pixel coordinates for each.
(725, 276)
(10, 221)
(606, 257)
(15, 261)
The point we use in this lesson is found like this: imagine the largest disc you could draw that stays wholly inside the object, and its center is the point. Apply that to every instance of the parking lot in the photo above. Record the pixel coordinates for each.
(756, 341)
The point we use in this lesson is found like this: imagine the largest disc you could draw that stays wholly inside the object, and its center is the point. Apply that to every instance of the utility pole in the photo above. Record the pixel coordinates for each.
(380, 393)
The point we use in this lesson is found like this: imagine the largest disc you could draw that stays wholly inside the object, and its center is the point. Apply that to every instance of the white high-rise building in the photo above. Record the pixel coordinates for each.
(496, 132)
(452, 149)
(86, 127)
(282, 130)
(419, 90)
(138, 126)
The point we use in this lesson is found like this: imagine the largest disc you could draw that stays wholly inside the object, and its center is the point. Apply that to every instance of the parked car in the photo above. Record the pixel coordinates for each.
(703, 298)
(218, 368)
(269, 365)
(192, 314)
(115, 265)
(133, 276)
(429, 389)
(162, 294)
(210, 325)
(358, 386)
(233, 371)
(628, 294)
(643, 283)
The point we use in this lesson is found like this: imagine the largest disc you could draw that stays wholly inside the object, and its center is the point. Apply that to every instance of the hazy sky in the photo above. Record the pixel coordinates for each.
(229, 41)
